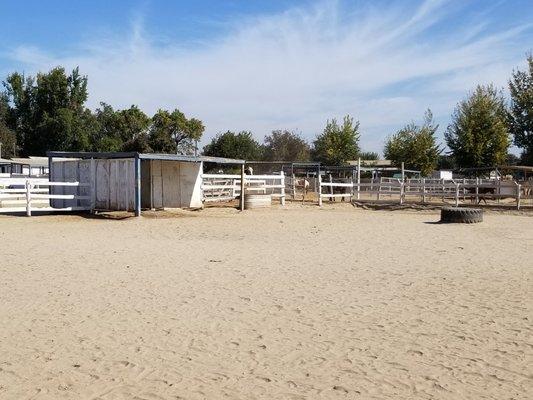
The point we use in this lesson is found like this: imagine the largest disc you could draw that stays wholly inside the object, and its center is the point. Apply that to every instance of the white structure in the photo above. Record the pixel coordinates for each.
(172, 184)
(129, 181)
(445, 174)
(31, 166)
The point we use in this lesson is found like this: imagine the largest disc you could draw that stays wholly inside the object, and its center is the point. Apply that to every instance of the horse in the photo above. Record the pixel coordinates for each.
(303, 184)
(481, 192)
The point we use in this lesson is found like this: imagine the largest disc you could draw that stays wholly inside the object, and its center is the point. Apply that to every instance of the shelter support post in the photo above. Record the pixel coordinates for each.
(93, 184)
(51, 188)
(241, 205)
(137, 186)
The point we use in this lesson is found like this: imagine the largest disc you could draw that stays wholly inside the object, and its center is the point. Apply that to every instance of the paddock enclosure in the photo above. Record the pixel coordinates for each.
(134, 181)
(429, 190)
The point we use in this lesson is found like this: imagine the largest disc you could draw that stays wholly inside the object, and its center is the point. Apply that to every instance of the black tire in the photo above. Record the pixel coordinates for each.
(461, 215)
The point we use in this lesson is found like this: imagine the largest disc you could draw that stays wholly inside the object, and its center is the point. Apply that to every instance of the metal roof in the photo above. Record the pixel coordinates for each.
(142, 156)
(517, 167)
(284, 162)
(31, 161)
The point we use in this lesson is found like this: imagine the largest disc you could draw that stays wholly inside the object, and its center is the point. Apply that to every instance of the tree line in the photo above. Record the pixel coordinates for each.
(48, 112)
(482, 128)
(337, 144)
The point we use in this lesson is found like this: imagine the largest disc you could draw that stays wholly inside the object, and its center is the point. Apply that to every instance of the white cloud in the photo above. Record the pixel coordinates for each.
(296, 69)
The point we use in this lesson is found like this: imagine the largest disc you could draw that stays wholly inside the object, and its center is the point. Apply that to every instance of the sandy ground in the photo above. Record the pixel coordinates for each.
(301, 303)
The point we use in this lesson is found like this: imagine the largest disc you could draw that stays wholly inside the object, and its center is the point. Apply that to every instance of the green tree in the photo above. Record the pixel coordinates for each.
(368, 155)
(478, 135)
(7, 136)
(512, 159)
(286, 146)
(240, 145)
(120, 130)
(415, 146)
(337, 143)
(172, 132)
(49, 112)
(446, 161)
(521, 112)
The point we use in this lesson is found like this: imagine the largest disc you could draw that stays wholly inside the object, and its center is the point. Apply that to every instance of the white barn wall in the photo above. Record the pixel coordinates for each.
(191, 187)
(173, 184)
(170, 184)
(114, 182)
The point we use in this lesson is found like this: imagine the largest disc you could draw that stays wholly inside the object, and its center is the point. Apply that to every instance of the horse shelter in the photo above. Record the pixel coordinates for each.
(129, 181)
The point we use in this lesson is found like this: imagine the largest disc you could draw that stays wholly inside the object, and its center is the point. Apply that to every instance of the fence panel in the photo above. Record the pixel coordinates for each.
(225, 187)
(476, 190)
(27, 195)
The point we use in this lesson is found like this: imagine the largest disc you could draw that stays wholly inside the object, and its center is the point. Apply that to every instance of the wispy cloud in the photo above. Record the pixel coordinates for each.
(298, 68)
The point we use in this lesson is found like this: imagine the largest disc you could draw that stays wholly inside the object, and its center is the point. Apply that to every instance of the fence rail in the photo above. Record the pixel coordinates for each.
(226, 187)
(456, 190)
(33, 194)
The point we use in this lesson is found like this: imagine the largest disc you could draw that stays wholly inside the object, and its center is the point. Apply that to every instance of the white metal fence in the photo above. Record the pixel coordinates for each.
(225, 187)
(475, 190)
(33, 194)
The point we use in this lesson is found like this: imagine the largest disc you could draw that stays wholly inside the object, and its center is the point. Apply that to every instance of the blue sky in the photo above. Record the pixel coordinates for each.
(263, 65)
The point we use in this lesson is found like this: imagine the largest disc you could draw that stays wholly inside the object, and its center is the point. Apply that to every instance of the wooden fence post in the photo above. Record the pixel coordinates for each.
(330, 187)
(28, 198)
(352, 188)
(518, 194)
(358, 178)
(319, 190)
(294, 187)
(379, 189)
(477, 190)
(457, 195)
(282, 188)
(402, 190)
(423, 190)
